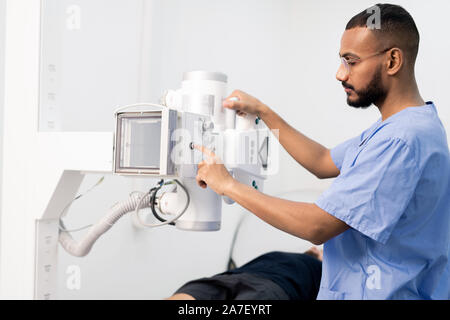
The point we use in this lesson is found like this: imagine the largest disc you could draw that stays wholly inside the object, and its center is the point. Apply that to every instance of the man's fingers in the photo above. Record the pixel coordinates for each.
(200, 182)
(235, 95)
(234, 105)
(198, 178)
(233, 101)
(204, 150)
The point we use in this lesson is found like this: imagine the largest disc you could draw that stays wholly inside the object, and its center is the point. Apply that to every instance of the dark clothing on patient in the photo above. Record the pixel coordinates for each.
(236, 286)
(272, 276)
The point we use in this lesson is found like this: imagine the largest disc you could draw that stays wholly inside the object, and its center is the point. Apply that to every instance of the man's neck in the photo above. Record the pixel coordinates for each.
(400, 99)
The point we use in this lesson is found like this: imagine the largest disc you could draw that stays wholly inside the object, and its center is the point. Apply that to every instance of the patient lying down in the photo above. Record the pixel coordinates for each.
(272, 276)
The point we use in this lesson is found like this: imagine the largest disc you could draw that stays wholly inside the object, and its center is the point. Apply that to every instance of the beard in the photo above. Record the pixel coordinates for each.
(373, 93)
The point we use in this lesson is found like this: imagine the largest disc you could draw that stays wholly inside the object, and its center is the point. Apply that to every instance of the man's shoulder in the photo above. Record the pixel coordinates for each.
(414, 132)
(425, 140)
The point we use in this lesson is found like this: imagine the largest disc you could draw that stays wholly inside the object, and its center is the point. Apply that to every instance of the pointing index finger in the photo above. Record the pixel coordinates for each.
(204, 150)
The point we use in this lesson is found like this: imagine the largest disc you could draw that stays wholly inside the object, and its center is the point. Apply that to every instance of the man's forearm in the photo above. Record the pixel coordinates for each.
(304, 150)
(296, 218)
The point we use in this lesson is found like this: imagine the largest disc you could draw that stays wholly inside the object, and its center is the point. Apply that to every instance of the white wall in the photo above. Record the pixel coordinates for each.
(2, 87)
(283, 52)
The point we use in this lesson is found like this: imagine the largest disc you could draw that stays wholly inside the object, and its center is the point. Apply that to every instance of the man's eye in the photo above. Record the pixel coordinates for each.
(350, 61)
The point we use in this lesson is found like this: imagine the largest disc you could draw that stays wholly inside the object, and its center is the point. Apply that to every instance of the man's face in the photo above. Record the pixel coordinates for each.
(363, 82)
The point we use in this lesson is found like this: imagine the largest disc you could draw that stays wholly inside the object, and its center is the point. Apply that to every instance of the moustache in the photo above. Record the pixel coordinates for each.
(347, 86)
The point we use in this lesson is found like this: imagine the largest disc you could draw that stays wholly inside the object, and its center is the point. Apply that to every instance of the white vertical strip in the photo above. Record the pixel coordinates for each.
(19, 148)
(2, 91)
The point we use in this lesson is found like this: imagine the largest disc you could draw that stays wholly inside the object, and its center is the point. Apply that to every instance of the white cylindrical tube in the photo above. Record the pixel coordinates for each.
(205, 209)
(230, 116)
(172, 99)
(230, 119)
(172, 202)
(245, 123)
(203, 93)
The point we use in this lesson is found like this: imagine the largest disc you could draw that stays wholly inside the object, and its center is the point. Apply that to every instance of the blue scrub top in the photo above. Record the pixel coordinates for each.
(394, 192)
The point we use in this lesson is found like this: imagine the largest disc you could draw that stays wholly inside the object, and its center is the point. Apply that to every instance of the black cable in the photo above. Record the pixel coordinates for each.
(153, 193)
(231, 263)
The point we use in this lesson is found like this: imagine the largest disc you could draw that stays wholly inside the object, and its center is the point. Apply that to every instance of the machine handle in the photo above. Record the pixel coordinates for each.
(230, 116)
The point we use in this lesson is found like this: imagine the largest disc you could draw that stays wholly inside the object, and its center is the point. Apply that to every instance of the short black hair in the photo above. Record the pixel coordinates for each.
(397, 27)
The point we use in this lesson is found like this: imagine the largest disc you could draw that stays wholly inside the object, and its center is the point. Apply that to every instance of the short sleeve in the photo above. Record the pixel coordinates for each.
(338, 152)
(374, 191)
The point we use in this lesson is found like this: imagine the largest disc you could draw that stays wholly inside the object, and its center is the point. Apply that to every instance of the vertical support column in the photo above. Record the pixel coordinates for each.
(47, 234)
(46, 259)
(17, 251)
(2, 87)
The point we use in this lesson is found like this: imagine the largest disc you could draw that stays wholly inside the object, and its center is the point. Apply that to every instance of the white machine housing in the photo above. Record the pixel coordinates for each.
(158, 142)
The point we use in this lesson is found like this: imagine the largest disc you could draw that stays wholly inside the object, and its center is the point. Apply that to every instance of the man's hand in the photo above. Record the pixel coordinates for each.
(246, 104)
(211, 172)
(308, 153)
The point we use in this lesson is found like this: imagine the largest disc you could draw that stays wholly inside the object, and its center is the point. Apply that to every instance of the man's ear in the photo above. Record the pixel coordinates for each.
(395, 60)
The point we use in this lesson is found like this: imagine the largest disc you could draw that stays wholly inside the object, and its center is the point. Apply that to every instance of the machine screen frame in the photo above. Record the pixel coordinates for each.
(168, 125)
(118, 143)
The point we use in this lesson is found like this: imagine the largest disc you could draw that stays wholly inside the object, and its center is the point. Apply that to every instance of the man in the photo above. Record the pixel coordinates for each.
(385, 219)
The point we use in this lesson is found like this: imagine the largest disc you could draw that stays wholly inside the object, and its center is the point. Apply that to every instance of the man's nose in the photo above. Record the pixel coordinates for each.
(342, 73)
